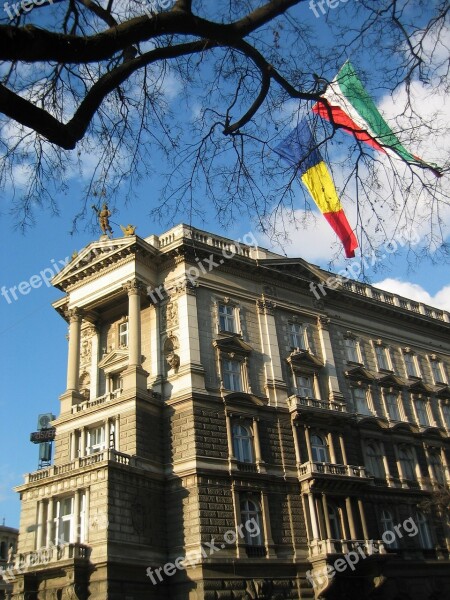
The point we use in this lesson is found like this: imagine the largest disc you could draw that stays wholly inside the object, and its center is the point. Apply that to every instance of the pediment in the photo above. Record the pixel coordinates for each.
(114, 359)
(297, 267)
(242, 398)
(95, 256)
(418, 387)
(443, 392)
(391, 380)
(304, 358)
(360, 374)
(232, 343)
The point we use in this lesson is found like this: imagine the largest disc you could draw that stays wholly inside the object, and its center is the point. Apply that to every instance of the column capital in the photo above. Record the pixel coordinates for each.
(265, 307)
(74, 314)
(323, 322)
(134, 287)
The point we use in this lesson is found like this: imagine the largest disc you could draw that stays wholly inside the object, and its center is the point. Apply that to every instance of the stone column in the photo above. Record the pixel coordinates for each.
(275, 385)
(267, 528)
(240, 541)
(363, 519)
(76, 518)
(312, 512)
(323, 324)
(134, 377)
(94, 363)
(40, 525)
(73, 445)
(230, 437)
(85, 533)
(258, 459)
(83, 442)
(343, 452)
(351, 522)
(308, 443)
(155, 348)
(117, 433)
(49, 539)
(326, 516)
(296, 444)
(331, 447)
(73, 361)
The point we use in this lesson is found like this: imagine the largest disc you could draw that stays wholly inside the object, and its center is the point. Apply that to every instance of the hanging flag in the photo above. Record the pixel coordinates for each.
(351, 107)
(300, 150)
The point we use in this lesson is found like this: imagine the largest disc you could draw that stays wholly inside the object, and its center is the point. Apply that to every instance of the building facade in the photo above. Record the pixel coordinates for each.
(239, 425)
(8, 548)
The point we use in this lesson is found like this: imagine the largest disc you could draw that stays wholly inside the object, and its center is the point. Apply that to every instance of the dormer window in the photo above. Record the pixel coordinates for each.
(123, 335)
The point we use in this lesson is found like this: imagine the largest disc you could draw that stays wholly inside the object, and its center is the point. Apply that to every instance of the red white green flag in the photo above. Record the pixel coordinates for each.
(350, 106)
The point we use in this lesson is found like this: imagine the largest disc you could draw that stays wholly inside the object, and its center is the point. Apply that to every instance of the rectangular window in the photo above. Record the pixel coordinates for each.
(361, 403)
(305, 386)
(66, 524)
(382, 358)
(123, 334)
(231, 375)
(116, 384)
(392, 407)
(95, 440)
(353, 350)
(411, 364)
(298, 336)
(437, 370)
(446, 414)
(422, 412)
(227, 318)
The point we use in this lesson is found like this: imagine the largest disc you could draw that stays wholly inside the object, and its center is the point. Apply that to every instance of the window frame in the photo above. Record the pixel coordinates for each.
(387, 524)
(437, 466)
(424, 410)
(232, 374)
(98, 446)
(410, 359)
(312, 387)
(425, 535)
(356, 401)
(379, 472)
(395, 404)
(239, 451)
(410, 461)
(386, 357)
(301, 334)
(353, 345)
(226, 314)
(445, 414)
(436, 363)
(123, 332)
(256, 514)
(320, 448)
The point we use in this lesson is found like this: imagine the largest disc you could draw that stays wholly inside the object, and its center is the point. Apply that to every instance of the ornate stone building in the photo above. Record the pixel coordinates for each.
(239, 425)
(8, 547)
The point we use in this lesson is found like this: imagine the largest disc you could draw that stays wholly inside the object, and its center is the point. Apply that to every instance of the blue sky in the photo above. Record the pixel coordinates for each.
(32, 334)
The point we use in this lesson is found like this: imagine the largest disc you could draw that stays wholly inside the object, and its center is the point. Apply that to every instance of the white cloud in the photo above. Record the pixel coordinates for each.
(416, 292)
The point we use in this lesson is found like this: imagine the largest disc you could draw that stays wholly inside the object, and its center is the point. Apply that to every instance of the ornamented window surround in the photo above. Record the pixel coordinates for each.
(387, 353)
(234, 348)
(385, 391)
(304, 363)
(349, 335)
(122, 321)
(427, 400)
(305, 331)
(369, 397)
(227, 301)
(408, 351)
(433, 358)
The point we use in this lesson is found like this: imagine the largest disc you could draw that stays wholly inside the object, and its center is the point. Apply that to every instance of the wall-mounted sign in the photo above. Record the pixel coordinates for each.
(44, 435)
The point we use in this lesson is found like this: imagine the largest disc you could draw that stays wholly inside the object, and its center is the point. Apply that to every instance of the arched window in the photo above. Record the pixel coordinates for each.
(387, 525)
(335, 521)
(407, 463)
(374, 462)
(424, 531)
(3, 551)
(252, 521)
(319, 449)
(242, 443)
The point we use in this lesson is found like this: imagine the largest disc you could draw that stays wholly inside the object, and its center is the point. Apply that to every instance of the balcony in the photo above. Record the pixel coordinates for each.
(45, 556)
(297, 402)
(330, 546)
(96, 401)
(313, 469)
(86, 461)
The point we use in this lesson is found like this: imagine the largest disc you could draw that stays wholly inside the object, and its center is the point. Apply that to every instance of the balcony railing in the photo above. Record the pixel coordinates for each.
(256, 551)
(85, 461)
(96, 401)
(310, 469)
(296, 402)
(331, 546)
(247, 467)
(50, 554)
